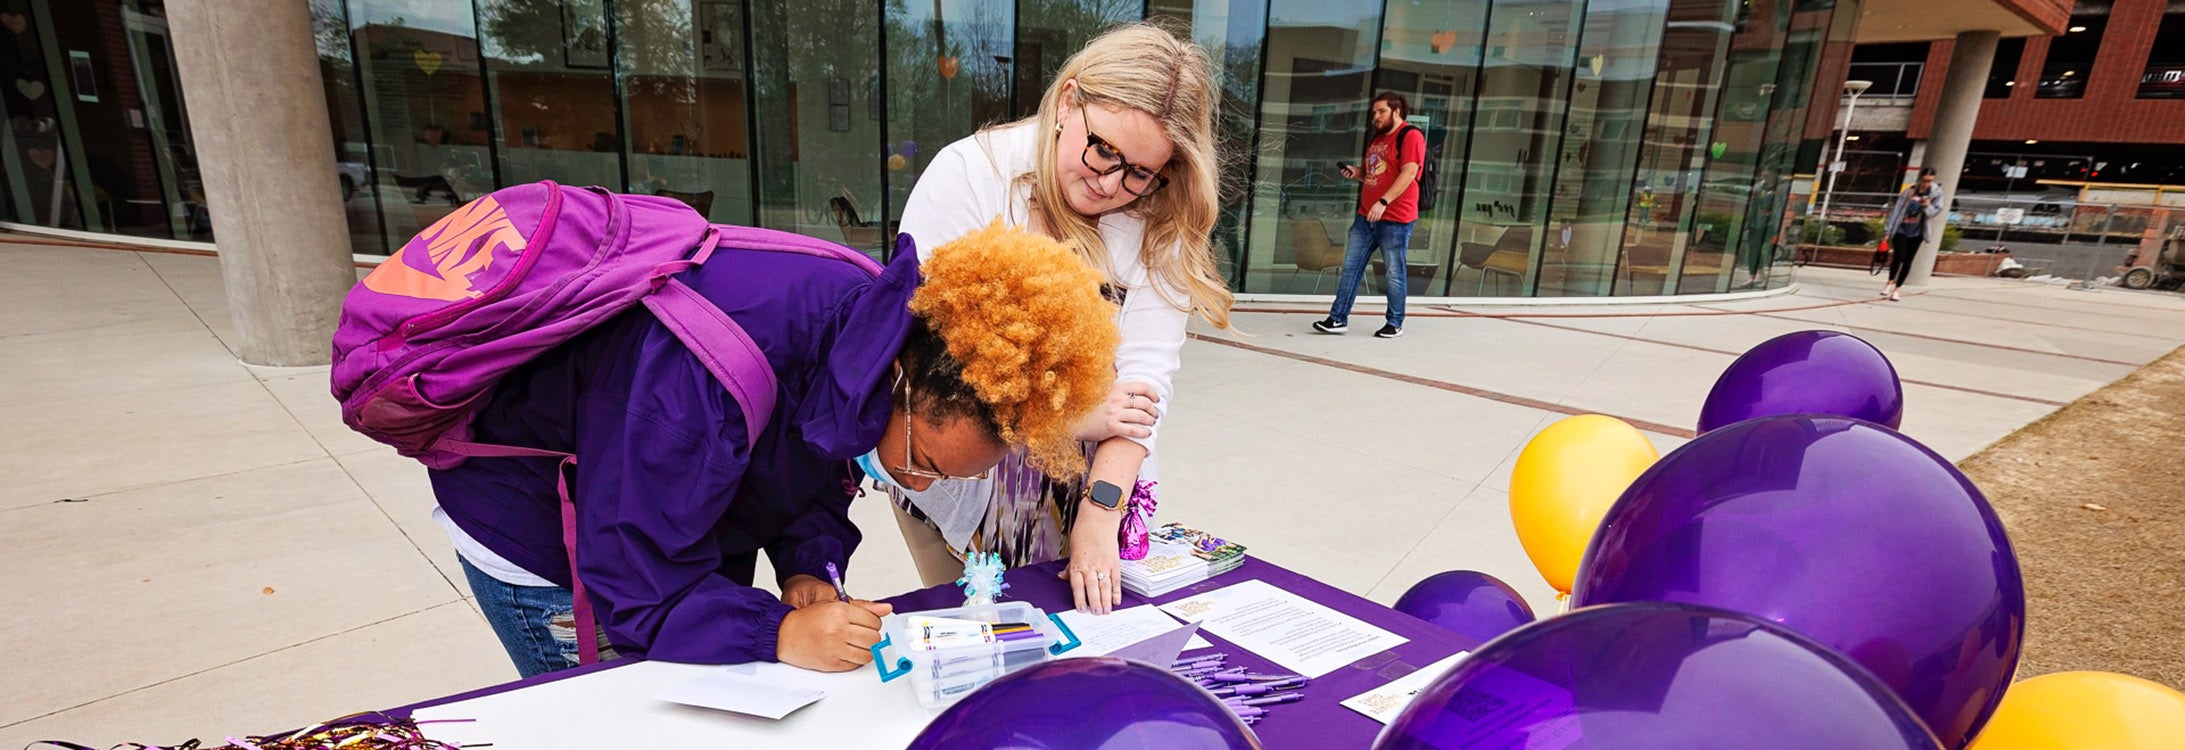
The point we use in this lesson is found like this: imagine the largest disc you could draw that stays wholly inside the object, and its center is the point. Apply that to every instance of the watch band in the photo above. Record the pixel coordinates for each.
(1383, 201)
(1106, 495)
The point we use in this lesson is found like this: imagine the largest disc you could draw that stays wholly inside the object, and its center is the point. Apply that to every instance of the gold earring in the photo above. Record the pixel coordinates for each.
(1058, 128)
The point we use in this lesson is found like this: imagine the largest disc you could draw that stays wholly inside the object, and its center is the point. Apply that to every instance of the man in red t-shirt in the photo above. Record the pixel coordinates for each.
(1387, 206)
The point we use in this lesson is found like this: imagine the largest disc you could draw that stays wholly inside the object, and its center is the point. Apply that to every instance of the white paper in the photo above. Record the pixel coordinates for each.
(1383, 703)
(1303, 636)
(1103, 634)
(760, 689)
(615, 708)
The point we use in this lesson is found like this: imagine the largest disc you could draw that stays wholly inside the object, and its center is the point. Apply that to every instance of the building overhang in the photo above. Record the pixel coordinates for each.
(1883, 21)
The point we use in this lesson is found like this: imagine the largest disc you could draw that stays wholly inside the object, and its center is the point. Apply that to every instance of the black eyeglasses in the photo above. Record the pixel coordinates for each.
(1103, 158)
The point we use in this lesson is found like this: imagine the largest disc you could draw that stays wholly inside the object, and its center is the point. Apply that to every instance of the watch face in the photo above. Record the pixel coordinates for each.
(1107, 495)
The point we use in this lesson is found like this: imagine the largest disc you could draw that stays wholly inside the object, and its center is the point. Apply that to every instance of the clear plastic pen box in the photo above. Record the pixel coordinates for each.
(943, 675)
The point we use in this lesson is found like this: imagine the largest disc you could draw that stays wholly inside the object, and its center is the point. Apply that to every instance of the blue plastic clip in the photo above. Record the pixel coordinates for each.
(902, 666)
(1057, 649)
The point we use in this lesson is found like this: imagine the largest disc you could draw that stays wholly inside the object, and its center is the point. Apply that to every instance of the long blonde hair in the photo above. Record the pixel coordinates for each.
(1147, 68)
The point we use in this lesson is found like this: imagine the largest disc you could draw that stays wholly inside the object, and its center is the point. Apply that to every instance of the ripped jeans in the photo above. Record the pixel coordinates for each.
(536, 624)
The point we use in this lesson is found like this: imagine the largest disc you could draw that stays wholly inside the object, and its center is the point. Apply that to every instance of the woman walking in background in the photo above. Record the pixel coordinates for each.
(1907, 224)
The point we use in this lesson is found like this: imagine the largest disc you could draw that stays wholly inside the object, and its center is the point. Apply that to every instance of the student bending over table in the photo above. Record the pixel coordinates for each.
(1004, 344)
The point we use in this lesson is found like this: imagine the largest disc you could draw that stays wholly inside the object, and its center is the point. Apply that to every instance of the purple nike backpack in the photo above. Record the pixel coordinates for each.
(425, 336)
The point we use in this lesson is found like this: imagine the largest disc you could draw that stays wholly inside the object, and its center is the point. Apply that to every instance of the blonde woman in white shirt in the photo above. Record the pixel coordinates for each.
(1119, 163)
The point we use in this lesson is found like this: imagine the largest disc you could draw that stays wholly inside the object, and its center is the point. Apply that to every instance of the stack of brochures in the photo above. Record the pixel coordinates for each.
(1179, 557)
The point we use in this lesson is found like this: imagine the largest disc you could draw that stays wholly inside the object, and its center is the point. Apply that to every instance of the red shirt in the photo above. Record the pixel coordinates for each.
(1384, 159)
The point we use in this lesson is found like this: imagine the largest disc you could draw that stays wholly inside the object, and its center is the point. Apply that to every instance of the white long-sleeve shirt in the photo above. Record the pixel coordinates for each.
(974, 180)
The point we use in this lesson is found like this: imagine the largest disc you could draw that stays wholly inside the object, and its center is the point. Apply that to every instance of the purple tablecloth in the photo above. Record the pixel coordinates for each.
(1319, 721)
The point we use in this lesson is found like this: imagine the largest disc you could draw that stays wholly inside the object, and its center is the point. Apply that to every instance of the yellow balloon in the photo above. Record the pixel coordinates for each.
(1565, 480)
(2084, 711)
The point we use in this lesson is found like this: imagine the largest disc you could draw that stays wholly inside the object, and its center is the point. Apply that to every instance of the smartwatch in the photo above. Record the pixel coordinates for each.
(1106, 495)
(1383, 201)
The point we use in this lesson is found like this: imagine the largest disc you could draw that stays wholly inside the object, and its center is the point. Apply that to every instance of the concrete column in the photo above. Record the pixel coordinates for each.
(250, 73)
(1962, 89)
(1911, 166)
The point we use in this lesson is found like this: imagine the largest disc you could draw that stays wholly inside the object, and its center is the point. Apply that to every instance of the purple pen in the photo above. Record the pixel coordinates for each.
(835, 574)
(1249, 677)
(1199, 658)
(1254, 689)
(1274, 699)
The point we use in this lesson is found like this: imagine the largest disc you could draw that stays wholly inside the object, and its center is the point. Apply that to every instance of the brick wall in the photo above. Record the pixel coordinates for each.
(2110, 111)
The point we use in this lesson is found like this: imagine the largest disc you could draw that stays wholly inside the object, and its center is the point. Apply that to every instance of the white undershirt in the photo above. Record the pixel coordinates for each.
(484, 559)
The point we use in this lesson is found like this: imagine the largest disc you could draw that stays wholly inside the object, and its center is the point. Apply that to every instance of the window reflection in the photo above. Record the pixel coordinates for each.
(1232, 31)
(820, 154)
(952, 67)
(43, 178)
(425, 108)
(1518, 129)
(1313, 116)
(682, 64)
(546, 63)
(1597, 160)
(1431, 53)
(1679, 132)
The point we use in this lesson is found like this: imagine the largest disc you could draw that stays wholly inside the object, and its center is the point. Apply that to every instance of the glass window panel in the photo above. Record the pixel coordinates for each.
(1742, 193)
(553, 98)
(1598, 156)
(1431, 53)
(127, 191)
(352, 141)
(1313, 116)
(2070, 58)
(44, 176)
(1232, 31)
(1522, 100)
(819, 149)
(425, 109)
(1048, 32)
(944, 82)
(683, 64)
(1680, 127)
(2164, 77)
(1739, 230)
(165, 120)
(2003, 73)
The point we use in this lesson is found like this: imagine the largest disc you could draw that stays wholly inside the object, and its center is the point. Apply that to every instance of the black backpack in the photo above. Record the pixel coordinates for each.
(1429, 169)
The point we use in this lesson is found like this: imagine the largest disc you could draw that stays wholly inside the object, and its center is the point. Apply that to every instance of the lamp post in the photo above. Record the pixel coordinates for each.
(1836, 166)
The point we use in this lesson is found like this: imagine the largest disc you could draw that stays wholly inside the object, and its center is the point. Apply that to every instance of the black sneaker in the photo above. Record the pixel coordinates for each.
(1330, 326)
(1388, 332)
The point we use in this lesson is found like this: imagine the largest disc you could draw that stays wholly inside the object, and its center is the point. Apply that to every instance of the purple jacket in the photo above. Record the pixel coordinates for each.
(672, 508)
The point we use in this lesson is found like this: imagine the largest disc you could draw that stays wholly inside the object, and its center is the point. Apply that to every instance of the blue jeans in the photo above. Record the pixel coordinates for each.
(536, 624)
(1394, 240)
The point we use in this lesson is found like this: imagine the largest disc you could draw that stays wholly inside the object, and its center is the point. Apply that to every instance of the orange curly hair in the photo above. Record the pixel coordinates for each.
(1024, 317)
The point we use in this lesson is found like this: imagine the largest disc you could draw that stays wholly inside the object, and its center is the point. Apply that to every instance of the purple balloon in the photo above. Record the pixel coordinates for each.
(1470, 604)
(1808, 372)
(1842, 530)
(1655, 675)
(909, 149)
(1097, 701)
